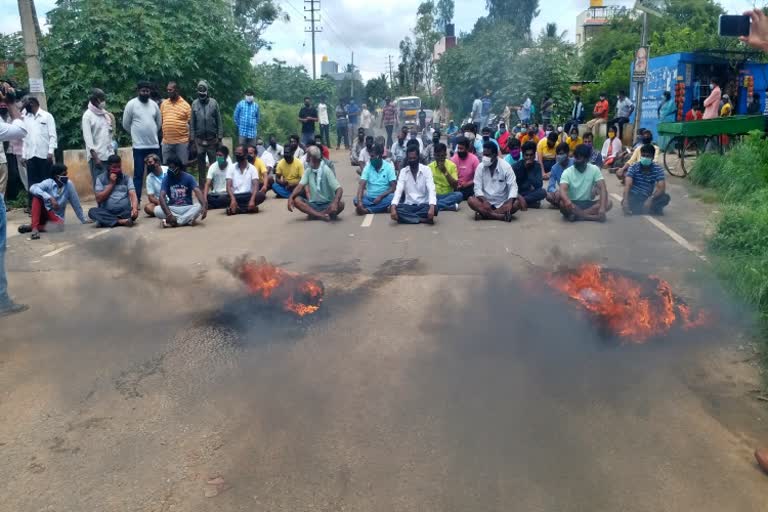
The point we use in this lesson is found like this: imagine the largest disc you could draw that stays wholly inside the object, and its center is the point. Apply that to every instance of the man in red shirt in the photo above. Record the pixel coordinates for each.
(695, 113)
(388, 119)
(466, 164)
(502, 137)
(600, 113)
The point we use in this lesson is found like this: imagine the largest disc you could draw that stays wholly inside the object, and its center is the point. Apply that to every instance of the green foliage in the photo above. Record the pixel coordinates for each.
(706, 169)
(738, 174)
(376, 89)
(416, 69)
(444, 14)
(518, 13)
(12, 49)
(253, 17)
(111, 44)
(289, 84)
(280, 119)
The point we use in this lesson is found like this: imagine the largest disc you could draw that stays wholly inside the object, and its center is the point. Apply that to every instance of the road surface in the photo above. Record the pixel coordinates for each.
(440, 374)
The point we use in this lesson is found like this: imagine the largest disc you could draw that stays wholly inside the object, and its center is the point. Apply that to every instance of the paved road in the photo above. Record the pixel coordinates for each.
(439, 375)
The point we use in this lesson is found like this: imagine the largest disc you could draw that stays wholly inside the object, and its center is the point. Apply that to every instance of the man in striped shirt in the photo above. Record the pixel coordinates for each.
(388, 119)
(176, 114)
(645, 185)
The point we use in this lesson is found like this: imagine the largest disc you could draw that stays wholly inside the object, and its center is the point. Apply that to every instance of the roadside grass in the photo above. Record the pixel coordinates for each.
(19, 202)
(739, 244)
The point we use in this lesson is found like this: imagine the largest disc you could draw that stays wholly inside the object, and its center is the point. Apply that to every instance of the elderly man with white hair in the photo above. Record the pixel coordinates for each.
(323, 190)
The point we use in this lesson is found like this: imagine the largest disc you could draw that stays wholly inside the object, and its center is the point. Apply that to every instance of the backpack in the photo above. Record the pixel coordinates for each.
(486, 106)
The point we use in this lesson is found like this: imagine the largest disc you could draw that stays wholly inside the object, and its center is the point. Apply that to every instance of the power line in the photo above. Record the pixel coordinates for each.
(309, 6)
(331, 25)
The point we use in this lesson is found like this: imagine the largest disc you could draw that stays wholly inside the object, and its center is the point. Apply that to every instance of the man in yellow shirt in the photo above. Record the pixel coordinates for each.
(261, 168)
(288, 172)
(445, 174)
(546, 153)
(176, 115)
(573, 139)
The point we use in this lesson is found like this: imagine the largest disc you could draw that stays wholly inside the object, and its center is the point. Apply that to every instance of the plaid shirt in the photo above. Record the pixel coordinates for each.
(389, 114)
(247, 118)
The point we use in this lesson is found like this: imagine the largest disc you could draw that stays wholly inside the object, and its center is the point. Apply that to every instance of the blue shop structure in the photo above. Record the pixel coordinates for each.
(686, 76)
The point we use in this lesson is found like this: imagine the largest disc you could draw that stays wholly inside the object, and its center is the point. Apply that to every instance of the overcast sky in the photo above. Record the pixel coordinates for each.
(372, 29)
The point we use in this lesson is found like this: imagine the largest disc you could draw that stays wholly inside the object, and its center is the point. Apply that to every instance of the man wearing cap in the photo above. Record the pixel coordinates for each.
(207, 129)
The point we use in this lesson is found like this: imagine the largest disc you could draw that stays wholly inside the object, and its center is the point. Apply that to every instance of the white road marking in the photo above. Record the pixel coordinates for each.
(367, 221)
(57, 251)
(671, 233)
(98, 233)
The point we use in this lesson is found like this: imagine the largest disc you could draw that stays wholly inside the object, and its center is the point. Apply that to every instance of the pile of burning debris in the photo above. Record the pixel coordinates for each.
(632, 307)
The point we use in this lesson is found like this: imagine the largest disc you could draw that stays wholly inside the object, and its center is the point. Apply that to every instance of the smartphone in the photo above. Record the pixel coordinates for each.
(734, 25)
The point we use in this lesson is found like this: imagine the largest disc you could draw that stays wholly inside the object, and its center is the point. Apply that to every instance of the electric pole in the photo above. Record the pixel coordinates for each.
(313, 8)
(352, 81)
(639, 94)
(391, 75)
(29, 30)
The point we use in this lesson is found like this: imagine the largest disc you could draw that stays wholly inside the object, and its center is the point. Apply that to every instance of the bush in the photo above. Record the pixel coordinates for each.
(740, 172)
(706, 168)
(280, 119)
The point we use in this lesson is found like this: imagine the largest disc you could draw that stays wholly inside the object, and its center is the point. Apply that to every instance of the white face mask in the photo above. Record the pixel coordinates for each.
(103, 105)
(486, 161)
(469, 135)
(249, 99)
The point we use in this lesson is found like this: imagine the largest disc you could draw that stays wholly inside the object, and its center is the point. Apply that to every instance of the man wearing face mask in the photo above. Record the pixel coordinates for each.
(325, 192)
(115, 196)
(40, 142)
(154, 183)
(176, 205)
(529, 135)
(446, 177)
(275, 149)
(529, 179)
(545, 153)
(176, 115)
(97, 133)
(645, 186)
(612, 148)
(646, 138)
(288, 173)
(563, 162)
(307, 118)
(377, 184)
(215, 189)
(206, 128)
(495, 188)
(243, 187)
(428, 154)
(365, 153)
(357, 147)
(485, 137)
(514, 153)
(597, 157)
(466, 166)
(261, 169)
(49, 202)
(416, 182)
(398, 149)
(578, 185)
(246, 118)
(142, 119)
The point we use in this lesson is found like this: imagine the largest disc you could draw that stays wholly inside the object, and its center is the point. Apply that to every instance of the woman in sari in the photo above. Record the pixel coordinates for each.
(667, 114)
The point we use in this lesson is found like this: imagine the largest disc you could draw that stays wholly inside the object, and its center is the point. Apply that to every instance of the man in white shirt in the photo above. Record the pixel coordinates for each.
(477, 111)
(275, 149)
(365, 154)
(142, 119)
(366, 120)
(243, 185)
(416, 181)
(322, 116)
(215, 189)
(97, 133)
(40, 142)
(495, 187)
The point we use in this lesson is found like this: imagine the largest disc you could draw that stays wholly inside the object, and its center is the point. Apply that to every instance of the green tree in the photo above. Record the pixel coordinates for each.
(520, 13)
(376, 89)
(253, 17)
(445, 9)
(12, 46)
(289, 84)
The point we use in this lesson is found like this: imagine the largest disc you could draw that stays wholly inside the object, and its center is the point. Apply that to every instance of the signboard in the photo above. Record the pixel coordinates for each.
(36, 86)
(653, 7)
(641, 64)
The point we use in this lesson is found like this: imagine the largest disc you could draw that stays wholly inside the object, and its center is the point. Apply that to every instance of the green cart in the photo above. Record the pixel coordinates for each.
(691, 138)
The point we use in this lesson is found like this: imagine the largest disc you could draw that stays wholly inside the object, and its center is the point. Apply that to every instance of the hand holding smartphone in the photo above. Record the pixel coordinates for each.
(734, 25)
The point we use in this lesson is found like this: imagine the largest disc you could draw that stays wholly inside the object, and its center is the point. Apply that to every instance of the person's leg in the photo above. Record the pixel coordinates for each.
(149, 209)
(389, 129)
(381, 207)
(534, 198)
(168, 151)
(7, 306)
(182, 151)
(41, 216)
(449, 201)
(409, 214)
(34, 173)
(314, 210)
(325, 134)
(658, 204)
(281, 190)
(104, 218)
(217, 201)
(186, 215)
(3, 178)
(340, 132)
(484, 209)
(202, 157)
(467, 192)
(23, 173)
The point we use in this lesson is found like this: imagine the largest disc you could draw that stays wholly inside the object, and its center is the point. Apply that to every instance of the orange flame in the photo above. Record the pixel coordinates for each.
(627, 307)
(294, 292)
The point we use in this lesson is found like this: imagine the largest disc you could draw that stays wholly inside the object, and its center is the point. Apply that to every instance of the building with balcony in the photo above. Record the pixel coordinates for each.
(593, 19)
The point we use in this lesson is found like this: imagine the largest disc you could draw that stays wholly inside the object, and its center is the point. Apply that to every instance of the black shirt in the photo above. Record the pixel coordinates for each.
(528, 179)
(308, 126)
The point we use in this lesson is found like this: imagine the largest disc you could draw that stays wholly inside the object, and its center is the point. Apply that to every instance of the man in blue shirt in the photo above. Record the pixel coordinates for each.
(247, 119)
(486, 137)
(562, 162)
(353, 111)
(49, 202)
(377, 184)
(645, 186)
(176, 205)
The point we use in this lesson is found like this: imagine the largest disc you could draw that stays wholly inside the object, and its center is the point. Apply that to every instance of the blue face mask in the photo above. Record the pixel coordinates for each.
(645, 161)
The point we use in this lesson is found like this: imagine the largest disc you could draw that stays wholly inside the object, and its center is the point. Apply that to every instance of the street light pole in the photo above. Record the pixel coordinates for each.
(31, 53)
(640, 83)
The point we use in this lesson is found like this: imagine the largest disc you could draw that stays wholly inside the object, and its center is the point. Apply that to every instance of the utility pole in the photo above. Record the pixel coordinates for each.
(639, 95)
(352, 81)
(31, 53)
(313, 8)
(391, 75)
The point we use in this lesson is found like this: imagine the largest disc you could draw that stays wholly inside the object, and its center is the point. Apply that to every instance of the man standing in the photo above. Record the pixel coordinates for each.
(97, 133)
(645, 186)
(353, 111)
(325, 192)
(417, 184)
(577, 186)
(176, 205)
(49, 202)
(176, 115)
(115, 196)
(486, 109)
(712, 103)
(466, 165)
(342, 126)
(495, 188)
(141, 118)
(243, 185)
(40, 142)
(477, 112)
(599, 113)
(624, 109)
(446, 178)
(366, 120)
(247, 116)
(377, 184)
(547, 108)
(13, 131)
(322, 116)
(422, 119)
(529, 179)
(524, 111)
(207, 129)
(307, 118)
(389, 119)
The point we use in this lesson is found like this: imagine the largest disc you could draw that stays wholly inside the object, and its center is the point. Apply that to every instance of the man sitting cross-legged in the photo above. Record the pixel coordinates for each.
(446, 176)
(416, 182)
(324, 192)
(155, 174)
(243, 185)
(562, 163)
(377, 184)
(49, 202)
(215, 190)
(176, 205)
(578, 185)
(115, 196)
(495, 187)
(288, 172)
(645, 185)
(529, 178)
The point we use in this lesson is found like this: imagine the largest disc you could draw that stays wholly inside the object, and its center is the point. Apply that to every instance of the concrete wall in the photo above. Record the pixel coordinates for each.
(80, 175)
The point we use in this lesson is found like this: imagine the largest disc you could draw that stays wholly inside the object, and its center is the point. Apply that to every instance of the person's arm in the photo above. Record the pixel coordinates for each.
(398, 194)
(88, 139)
(254, 191)
(53, 142)
(38, 190)
(128, 117)
(296, 191)
(104, 194)
(236, 114)
(334, 207)
(628, 180)
(192, 123)
(710, 99)
(540, 157)
(256, 113)
(158, 117)
(170, 218)
(203, 202)
(565, 201)
(207, 186)
(537, 180)
(134, 203)
(603, 197)
(231, 194)
(361, 191)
